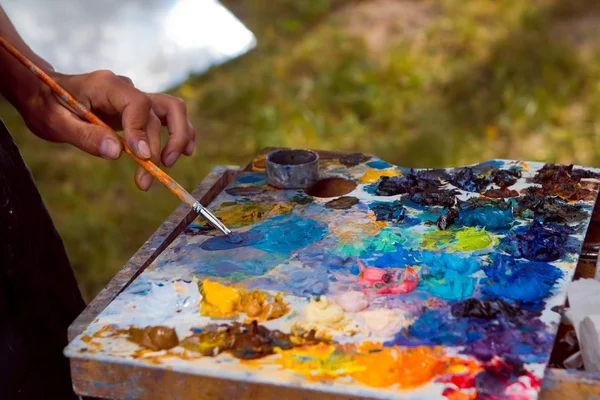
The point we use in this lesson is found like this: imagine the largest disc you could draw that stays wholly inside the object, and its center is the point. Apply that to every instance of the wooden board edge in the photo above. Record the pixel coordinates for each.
(92, 378)
(179, 219)
(561, 384)
(106, 380)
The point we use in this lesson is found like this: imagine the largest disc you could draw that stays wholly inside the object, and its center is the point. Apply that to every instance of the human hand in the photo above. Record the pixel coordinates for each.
(116, 101)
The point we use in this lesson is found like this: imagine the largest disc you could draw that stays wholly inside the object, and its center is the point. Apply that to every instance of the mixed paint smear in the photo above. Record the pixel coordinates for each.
(379, 281)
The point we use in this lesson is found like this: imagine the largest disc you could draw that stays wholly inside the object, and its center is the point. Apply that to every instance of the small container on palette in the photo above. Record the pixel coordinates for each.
(292, 169)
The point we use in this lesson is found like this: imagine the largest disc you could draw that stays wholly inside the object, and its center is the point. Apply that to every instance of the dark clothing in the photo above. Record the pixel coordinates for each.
(39, 296)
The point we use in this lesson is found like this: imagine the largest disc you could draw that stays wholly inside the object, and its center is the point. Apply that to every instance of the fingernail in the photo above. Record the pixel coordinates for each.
(110, 149)
(143, 150)
(146, 181)
(189, 150)
(171, 158)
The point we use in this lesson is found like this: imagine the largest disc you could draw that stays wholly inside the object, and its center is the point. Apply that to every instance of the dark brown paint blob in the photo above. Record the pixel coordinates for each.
(354, 159)
(331, 187)
(244, 341)
(154, 337)
(342, 203)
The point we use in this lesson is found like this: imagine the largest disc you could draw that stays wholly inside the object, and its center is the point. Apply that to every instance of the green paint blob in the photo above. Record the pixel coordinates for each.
(437, 240)
(469, 239)
(384, 242)
(465, 239)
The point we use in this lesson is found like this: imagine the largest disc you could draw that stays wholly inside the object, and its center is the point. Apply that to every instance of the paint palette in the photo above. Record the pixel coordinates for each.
(378, 281)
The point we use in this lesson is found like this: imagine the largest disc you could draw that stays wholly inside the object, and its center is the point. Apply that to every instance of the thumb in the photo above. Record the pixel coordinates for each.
(92, 139)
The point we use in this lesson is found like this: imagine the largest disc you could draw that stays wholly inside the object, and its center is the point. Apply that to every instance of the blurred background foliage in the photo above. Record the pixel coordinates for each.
(420, 83)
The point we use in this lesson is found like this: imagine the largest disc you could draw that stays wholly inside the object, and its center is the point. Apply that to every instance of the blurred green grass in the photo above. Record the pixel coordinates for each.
(418, 83)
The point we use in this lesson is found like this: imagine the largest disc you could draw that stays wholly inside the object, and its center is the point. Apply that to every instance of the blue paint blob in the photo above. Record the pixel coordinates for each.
(447, 275)
(370, 189)
(395, 259)
(288, 233)
(378, 164)
(253, 178)
(235, 238)
(225, 243)
(437, 327)
(283, 234)
(301, 282)
(492, 216)
(386, 211)
(539, 242)
(493, 163)
(510, 280)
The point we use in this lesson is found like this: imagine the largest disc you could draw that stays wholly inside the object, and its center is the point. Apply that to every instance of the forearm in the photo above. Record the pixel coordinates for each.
(17, 83)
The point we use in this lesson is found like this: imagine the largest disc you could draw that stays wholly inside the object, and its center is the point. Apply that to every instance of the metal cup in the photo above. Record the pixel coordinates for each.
(292, 169)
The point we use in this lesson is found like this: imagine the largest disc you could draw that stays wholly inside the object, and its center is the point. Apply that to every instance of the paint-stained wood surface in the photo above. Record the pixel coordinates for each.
(118, 381)
(183, 215)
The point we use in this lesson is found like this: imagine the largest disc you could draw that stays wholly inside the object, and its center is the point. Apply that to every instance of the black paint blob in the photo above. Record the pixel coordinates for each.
(422, 187)
(447, 219)
(550, 209)
(484, 309)
(505, 177)
(469, 179)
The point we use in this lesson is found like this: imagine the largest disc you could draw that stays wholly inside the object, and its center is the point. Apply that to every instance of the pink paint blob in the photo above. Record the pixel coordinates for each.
(372, 275)
(409, 279)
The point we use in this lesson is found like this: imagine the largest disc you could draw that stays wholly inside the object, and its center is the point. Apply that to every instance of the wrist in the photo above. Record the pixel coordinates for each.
(30, 92)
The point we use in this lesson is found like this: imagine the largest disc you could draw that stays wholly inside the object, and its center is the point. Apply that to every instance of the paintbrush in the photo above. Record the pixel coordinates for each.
(83, 112)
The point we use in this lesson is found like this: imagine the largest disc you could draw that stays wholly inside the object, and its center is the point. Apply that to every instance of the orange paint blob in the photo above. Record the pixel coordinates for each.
(406, 367)
(371, 364)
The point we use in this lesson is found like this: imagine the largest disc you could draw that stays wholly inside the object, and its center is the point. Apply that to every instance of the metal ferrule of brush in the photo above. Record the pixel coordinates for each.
(214, 221)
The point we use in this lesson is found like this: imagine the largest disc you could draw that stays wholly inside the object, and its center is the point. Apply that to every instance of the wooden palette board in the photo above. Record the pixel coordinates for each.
(104, 378)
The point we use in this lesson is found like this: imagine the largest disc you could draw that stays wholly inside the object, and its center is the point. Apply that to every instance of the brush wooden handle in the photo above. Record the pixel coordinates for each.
(148, 165)
(84, 112)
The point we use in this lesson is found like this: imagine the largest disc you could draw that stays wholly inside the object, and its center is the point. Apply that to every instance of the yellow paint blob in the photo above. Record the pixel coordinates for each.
(260, 306)
(221, 301)
(323, 312)
(319, 361)
(372, 175)
(470, 239)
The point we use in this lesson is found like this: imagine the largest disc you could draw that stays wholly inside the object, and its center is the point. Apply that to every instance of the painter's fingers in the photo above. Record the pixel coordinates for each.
(63, 126)
(142, 178)
(111, 94)
(172, 112)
